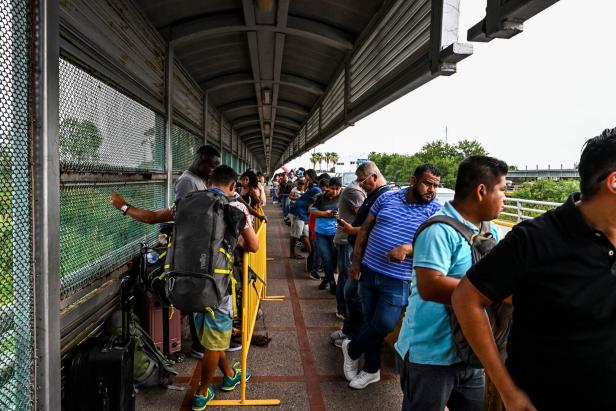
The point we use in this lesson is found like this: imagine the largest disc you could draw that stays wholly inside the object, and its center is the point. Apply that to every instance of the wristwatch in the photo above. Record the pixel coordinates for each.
(125, 208)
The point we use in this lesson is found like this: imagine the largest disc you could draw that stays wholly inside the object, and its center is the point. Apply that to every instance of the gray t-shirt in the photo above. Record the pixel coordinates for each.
(187, 183)
(352, 197)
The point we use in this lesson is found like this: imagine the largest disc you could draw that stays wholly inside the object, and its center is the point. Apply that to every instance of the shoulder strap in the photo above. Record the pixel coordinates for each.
(464, 230)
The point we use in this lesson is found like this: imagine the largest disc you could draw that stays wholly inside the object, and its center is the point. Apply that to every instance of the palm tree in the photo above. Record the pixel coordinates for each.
(314, 159)
(319, 158)
(326, 157)
(334, 158)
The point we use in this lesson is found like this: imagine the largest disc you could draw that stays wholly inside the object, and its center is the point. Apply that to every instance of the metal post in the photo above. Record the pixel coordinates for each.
(220, 123)
(46, 206)
(347, 91)
(205, 125)
(169, 111)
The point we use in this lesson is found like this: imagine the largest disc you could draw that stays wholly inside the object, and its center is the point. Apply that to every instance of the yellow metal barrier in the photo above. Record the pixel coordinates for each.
(254, 288)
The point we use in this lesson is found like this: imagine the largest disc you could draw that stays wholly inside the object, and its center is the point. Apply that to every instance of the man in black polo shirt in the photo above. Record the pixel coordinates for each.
(560, 269)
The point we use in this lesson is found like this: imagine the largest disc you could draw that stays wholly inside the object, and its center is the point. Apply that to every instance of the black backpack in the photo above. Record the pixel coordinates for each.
(199, 260)
(499, 313)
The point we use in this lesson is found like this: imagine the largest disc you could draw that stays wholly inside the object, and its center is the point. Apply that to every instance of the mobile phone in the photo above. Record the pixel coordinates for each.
(339, 221)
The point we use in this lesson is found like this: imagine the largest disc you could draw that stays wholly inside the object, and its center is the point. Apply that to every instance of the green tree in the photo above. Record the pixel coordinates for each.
(319, 158)
(334, 159)
(79, 141)
(548, 190)
(471, 148)
(314, 159)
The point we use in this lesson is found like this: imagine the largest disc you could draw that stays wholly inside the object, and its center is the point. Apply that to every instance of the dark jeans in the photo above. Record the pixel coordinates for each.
(327, 253)
(382, 299)
(284, 199)
(344, 252)
(432, 387)
(354, 315)
(314, 260)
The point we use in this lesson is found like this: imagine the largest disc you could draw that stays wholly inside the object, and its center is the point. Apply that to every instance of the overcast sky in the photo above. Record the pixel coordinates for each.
(530, 100)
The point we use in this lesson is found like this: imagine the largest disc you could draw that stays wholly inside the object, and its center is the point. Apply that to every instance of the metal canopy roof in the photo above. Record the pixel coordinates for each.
(263, 64)
(266, 80)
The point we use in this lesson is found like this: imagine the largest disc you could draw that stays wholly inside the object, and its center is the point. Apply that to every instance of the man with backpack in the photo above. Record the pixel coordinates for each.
(214, 324)
(560, 269)
(432, 373)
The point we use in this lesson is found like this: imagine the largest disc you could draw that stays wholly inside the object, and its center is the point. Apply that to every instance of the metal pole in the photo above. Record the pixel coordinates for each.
(205, 125)
(169, 111)
(46, 207)
(220, 137)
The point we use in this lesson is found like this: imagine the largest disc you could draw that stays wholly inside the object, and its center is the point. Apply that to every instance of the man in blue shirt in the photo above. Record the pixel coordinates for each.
(432, 375)
(386, 269)
(299, 228)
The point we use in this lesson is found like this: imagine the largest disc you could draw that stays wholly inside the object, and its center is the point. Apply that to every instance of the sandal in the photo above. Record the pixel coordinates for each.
(298, 257)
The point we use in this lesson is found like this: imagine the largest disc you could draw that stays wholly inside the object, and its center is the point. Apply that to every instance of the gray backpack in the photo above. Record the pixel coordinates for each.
(199, 261)
(499, 313)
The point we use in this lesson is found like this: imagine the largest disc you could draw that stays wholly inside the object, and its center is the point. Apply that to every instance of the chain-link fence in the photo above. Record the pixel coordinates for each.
(184, 146)
(16, 357)
(103, 130)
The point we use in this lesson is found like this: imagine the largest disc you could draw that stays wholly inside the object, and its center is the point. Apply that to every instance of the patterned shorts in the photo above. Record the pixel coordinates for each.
(214, 329)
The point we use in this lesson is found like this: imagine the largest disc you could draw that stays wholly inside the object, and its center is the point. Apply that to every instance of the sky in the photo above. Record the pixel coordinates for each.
(532, 100)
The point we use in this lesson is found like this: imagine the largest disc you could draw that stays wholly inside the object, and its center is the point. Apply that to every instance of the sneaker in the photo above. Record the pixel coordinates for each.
(363, 379)
(229, 383)
(337, 335)
(234, 346)
(351, 366)
(338, 342)
(315, 276)
(323, 284)
(196, 354)
(340, 316)
(200, 401)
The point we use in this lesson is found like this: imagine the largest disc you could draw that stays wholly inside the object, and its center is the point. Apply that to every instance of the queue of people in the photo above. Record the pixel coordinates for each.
(403, 258)
(555, 275)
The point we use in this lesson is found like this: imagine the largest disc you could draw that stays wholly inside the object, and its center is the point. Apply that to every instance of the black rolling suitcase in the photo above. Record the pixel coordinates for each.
(101, 371)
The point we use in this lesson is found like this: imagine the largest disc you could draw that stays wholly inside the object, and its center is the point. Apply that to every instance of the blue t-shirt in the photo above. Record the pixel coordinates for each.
(325, 225)
(426, 332)
(396, 223)
(301, 205)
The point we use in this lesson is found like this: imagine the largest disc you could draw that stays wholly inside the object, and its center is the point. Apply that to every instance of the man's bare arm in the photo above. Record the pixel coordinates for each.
(434, 286)
(469, 305)
(140, 214)
(251, 241)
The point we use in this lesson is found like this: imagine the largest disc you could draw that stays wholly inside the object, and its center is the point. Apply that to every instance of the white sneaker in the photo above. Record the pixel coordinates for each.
(337, 335)
(351, 366)
(363, 379)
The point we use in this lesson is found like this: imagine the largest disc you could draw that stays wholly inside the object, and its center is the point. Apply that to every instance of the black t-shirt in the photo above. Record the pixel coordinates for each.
(285, 188)
(364, 209)
(562, 275)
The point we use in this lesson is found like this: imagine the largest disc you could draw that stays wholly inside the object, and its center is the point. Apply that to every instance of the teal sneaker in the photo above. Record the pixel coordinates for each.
(229, 383)
(200, 401)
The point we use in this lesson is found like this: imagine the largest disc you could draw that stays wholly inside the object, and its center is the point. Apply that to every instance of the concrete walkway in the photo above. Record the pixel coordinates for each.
(300, 366)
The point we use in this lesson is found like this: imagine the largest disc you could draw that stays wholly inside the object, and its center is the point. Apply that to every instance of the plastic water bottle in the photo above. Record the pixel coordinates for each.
(152, 257)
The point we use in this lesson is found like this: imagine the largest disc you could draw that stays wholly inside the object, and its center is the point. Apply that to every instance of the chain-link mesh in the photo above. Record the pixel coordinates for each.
(184, 146)
(102, 129)
(16, 358)
(94, 236)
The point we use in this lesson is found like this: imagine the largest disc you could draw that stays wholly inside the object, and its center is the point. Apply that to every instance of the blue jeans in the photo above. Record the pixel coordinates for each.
(382, 299)
(327, 253)
(284, 199)
(354, 318)
(432, 387)
(344, 252)
(273, 193)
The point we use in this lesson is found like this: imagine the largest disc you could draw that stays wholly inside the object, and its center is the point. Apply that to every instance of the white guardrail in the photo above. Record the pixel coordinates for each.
(521, 209)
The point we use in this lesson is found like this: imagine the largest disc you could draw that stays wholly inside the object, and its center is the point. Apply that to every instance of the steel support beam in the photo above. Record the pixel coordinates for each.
(169, 65)
(506, 19)
(205, 125)
(215, 25)
(46, 206)
(289, 80)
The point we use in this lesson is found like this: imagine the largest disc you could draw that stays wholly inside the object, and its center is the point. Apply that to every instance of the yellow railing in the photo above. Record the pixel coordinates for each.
(254, 290)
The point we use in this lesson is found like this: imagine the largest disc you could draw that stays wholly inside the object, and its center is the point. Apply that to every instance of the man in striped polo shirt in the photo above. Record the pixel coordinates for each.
(383, 255)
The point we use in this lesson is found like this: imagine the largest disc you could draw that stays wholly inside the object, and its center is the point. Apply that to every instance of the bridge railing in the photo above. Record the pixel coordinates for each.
(520, 209)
